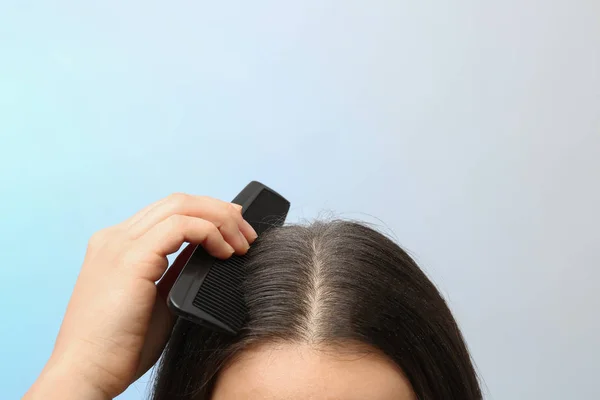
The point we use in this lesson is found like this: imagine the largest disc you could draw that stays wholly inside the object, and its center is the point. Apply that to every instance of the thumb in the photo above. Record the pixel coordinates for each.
(168, 279)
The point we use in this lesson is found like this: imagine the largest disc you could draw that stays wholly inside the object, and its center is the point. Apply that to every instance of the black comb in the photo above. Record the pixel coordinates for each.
(208, 290)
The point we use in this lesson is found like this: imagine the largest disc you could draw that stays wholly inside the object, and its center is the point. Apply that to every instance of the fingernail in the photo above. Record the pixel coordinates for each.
(230, 249)
(253, 234)
(237, 206)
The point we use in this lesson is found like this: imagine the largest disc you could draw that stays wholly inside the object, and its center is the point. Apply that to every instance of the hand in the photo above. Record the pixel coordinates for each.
(117, 321)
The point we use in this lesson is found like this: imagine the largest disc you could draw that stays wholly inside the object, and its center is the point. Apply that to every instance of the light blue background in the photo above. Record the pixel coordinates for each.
(470, 128)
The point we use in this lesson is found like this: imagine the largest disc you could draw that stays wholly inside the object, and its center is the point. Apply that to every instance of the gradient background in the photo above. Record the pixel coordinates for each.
(469, 130)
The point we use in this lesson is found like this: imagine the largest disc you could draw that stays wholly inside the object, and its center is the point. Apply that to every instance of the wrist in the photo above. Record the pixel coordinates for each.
(61, 381)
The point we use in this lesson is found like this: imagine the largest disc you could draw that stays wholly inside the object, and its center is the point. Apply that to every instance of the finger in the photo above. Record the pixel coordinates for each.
(246, 229)
(129, 222)
(222, 214)
(168, 235)
(168, 279)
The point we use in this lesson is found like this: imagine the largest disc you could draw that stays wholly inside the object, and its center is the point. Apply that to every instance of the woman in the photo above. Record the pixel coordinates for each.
(335, 311)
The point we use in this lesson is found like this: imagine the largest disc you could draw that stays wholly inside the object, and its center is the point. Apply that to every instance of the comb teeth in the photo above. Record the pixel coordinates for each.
(220, 294)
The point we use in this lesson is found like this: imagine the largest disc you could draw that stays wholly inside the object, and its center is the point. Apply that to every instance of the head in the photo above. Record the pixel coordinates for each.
(336, 310)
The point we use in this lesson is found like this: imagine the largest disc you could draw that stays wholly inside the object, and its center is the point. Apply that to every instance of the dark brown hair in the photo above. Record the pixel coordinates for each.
(330, 283)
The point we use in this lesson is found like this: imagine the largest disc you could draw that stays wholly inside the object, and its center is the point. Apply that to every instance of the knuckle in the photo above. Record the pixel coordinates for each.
(178, 199)
(232, 211)
(211, 229)
(176, 222)
(98, 238)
